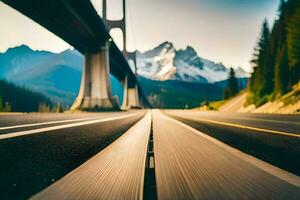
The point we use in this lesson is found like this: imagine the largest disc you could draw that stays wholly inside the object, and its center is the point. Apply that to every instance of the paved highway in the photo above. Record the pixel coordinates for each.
(192, 165)
(117, 172)
(34, 155)
(105, 156)
(272, 138)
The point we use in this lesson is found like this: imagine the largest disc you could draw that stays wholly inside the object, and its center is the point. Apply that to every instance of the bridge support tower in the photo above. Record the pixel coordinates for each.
(131, 94)
(121, 24)
(95, 90)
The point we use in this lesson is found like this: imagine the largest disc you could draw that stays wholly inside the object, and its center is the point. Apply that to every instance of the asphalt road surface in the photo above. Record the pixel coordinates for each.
(106, 155)
(191, 165)
(117, 172)
(272, 138)
(30, 160)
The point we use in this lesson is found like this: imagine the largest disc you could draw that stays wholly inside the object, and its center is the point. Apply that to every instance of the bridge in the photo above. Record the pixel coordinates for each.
(141, 153)
(78, 23)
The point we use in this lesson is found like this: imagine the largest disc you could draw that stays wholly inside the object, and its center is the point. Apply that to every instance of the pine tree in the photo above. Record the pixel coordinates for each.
(232, 88)
(279, 35)
(1, 104)
(293, 39)
(281, 72)
(264, 62)
(277, 56)
(232, 83)
(260, 85)
(226, 94)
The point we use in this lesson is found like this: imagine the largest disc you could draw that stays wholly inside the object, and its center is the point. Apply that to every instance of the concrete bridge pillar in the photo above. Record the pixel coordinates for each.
(95, 90)
(131, 95)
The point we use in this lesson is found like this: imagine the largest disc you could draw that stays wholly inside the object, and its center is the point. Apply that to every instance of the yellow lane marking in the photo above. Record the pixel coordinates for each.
(266, 120)
(250, 118)
(240, 118)
(275, 171)
(248, 127)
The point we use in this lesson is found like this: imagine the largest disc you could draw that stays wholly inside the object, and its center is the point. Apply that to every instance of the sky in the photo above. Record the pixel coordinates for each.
(220, 30)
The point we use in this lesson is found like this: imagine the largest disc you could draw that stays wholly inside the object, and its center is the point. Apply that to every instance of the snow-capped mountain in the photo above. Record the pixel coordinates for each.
(166, 63)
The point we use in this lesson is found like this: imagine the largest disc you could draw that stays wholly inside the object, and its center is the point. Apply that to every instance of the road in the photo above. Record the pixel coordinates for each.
(117, 172)
(192, 165)
(107, 155)
(31, 162)
(272, 138)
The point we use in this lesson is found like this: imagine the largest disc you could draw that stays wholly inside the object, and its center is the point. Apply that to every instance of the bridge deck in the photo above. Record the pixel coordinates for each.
(117, 172)
(190, 166)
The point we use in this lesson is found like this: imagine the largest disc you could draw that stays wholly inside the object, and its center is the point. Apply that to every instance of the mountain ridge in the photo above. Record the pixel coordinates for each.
(164, 62)
(58, 75)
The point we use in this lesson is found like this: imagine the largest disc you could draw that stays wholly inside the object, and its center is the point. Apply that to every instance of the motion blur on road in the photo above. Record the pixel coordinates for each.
(124, 155)
(48, 146)
(147, 100)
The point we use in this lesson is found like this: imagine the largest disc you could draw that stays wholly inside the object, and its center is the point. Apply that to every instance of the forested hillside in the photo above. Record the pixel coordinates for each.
(179, 94)
(276, 59)
(19, 99)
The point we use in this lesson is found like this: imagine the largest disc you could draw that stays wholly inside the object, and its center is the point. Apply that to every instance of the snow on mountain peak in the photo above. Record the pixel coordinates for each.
(164, 62)
(157, 64)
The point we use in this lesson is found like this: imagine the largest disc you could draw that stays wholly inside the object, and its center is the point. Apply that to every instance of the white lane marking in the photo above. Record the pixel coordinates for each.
(28, 132)
(271, 169)
(102, 163)
(46, 123)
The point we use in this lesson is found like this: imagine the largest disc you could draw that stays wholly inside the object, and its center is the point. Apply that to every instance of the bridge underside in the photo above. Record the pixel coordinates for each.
(78, 23)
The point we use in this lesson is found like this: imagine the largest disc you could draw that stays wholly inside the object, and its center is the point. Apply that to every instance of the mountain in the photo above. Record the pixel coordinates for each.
(164, 62)
(170, 78)
(18, 59)
(56, 75)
